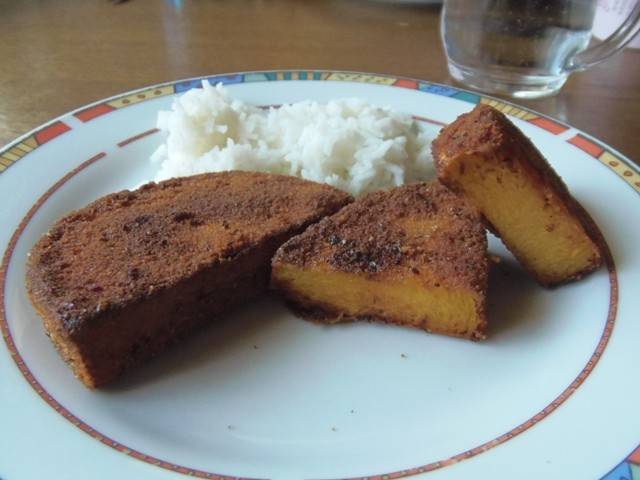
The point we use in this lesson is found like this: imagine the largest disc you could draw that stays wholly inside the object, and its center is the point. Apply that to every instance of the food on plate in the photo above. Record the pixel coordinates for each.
(484, 157)
(120, 279)
(349, 143)
(415, 255)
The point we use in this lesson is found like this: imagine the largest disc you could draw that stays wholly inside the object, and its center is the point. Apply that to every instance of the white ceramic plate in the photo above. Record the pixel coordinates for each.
(552, 393)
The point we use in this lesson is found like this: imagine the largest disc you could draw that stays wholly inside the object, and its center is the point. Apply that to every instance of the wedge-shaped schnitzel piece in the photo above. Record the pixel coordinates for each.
(119, 280)
(415, 255)
(484, 157)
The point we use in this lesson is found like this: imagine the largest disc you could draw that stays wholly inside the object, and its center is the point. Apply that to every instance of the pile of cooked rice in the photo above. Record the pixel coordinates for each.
(348, 143)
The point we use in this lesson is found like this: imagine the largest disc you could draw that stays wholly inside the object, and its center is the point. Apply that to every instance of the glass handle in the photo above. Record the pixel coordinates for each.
(614, 43)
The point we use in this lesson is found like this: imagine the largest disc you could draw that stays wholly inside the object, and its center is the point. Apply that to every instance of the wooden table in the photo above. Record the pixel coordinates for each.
(57, 56)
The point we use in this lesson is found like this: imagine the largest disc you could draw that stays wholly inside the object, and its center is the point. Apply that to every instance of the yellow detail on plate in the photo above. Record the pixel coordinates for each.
(10, 156)
(508, 109)
(30, 143)
(141, 96)
(18, 152)
(24, 147)
(621, 168)
(359, 77)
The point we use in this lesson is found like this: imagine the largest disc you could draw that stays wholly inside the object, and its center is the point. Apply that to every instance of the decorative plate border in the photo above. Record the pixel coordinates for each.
(628, 469)
(16, 150)
(617, 162)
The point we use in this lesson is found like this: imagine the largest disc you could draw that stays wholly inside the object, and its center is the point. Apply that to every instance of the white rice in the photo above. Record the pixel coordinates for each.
(347, 143)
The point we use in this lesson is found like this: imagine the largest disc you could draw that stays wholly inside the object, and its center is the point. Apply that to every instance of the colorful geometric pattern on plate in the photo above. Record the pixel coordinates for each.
(628, 469)
(624, 169)
(590, 145)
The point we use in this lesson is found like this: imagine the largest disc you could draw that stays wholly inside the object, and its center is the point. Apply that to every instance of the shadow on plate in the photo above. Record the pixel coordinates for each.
(514, 303)
(513, 300)
(223, 338)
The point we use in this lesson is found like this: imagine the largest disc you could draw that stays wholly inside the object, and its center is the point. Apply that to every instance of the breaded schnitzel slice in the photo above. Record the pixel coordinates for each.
(485, 158)
(415, 255)
(122, 278)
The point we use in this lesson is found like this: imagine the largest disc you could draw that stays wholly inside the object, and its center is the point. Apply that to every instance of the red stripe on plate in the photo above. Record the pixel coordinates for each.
(586, 145)
(406, 84)
(549, 125)
(93, 112)
(51, 132)
(137, 137)
(429, 120)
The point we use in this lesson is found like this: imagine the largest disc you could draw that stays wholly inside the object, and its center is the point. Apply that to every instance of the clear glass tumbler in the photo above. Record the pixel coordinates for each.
(525, 48)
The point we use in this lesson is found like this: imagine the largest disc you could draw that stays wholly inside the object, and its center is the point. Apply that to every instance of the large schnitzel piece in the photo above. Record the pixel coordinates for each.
(119, 280)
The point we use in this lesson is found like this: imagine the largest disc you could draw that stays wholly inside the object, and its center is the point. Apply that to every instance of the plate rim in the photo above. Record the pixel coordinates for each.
(6, 259)
(499, 103)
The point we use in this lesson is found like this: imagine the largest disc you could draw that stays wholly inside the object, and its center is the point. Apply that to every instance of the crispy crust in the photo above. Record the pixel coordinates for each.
(125, 276)
(326, 314)
(368, 237)
(487, 131)
(373, 238)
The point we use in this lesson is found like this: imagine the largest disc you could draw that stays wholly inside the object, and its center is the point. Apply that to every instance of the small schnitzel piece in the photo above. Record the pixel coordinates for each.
(119, 280)
(415, 255)
(485, 158)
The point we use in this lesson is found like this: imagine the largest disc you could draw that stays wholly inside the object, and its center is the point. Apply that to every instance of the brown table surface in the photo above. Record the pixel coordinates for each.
(57, 56)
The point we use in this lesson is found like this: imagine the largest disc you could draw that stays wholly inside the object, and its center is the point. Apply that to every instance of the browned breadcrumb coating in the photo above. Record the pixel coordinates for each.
(487, 133)
(485, 128)
(118, 279)
(420, 233)
(369, 237)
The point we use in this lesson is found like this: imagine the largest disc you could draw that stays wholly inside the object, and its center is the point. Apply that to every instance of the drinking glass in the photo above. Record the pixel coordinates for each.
(525, 48)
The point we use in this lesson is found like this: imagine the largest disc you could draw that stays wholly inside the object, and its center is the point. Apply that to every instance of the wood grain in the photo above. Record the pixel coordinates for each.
(57, 56)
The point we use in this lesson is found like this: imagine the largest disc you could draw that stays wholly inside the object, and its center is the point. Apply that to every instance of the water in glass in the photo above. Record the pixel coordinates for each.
(517, 47)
